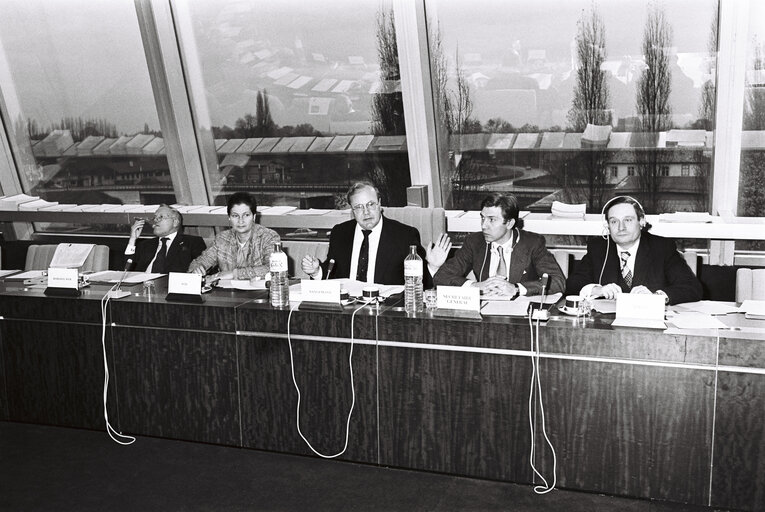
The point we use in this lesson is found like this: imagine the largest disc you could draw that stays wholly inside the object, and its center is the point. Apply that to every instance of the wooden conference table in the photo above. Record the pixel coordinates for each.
(674, 415)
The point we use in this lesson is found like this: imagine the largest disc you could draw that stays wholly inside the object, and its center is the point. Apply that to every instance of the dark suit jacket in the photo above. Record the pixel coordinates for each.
(179, 255)
(530, 259)
(658, 266)
(393, 248)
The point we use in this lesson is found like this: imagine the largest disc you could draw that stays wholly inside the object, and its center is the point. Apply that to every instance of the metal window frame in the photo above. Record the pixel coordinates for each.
(181, 105)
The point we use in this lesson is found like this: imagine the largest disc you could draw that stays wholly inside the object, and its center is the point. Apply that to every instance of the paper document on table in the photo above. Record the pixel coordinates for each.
(4, 273)
(694, 320)
(605, 306)
(70, 255)
(518, 307)
(242, 284)
(114, 276)
(29, 274)
(709, 307)
(753, 309)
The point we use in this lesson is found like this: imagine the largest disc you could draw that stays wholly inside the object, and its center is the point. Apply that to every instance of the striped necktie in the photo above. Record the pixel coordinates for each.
(626, 272)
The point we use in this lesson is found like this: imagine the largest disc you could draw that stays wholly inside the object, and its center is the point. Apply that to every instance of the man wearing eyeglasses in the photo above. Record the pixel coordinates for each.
(169, 251)
(372, 247)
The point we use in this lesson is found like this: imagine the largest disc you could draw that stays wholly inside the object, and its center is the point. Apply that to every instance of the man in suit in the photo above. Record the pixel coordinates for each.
(372, 247)
(506, 260)
(630, 259)
(169, 251)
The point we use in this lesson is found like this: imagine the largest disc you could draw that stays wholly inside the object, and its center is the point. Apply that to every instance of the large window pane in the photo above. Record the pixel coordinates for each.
(301, 97)
(82, 114)
(752, 177)
(575, 100)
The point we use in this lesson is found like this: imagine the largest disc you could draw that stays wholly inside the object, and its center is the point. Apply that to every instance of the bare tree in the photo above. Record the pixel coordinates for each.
(591, 95)
(708, 89)
(752, 181)
(587, 171)
(387, 104)
(652, 104)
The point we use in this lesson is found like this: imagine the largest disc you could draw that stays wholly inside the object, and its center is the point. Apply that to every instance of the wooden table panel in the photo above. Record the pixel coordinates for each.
(628, 429)
(738, 480)
(322, 372)
(177, 384)
(54, 373)
(455, 412)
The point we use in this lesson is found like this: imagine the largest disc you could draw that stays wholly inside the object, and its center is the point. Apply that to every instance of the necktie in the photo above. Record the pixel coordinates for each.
(502, 267)
(361, 270)
(160, 262)
(626, 272)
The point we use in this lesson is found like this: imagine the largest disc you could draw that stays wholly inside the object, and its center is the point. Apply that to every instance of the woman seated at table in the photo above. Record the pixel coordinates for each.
(241, 252)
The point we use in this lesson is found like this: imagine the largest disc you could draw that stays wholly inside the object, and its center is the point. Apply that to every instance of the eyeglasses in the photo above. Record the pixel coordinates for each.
(236, 216)
(160, 218)
(371, 205)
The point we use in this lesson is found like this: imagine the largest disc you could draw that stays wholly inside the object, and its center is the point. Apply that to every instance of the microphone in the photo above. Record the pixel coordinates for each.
(330, 267)
(115, 292)
(542, 313)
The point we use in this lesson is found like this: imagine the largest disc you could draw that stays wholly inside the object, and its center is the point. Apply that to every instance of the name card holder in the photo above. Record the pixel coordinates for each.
(184, 288)
(458, 302)
(321, 295)
(63, 282)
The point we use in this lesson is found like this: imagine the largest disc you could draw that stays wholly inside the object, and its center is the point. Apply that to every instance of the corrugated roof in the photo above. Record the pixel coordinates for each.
(552, 140)
(526, 141)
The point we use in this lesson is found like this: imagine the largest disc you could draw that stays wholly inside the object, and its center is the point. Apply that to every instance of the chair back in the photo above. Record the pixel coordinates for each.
(430, 222)
(40, 256)
(750, 284)
(295, 251)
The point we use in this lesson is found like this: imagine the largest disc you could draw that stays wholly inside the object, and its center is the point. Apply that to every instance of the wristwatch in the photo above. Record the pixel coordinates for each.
(517, 292)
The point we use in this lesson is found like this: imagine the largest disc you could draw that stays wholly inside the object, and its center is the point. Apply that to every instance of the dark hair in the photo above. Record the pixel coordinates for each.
(241, 198)
(626, 200)
(358, 186)
(508, 204)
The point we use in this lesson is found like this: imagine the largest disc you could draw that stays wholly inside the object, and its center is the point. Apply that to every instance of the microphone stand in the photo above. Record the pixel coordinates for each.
(542, 314)
(116, 292)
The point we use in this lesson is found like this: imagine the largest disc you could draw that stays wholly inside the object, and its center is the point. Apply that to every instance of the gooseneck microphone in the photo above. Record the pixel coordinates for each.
(116, 292)
(542, 314)
(330, 268)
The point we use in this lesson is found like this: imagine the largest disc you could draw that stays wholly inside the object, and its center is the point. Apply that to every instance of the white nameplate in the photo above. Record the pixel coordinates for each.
(319, 291)
(458, 297)
(190, 284)
(63, 277)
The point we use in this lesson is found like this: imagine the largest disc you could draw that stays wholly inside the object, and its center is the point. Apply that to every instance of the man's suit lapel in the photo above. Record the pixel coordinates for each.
(150, 248)
(175, 247)
(517, 261)
(642, 261)
(382, 264)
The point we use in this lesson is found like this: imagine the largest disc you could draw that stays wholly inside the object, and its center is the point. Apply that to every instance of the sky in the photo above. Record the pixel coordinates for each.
(85, 58)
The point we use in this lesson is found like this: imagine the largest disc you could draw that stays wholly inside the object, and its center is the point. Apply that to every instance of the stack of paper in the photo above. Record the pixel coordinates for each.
(568, 211)
(12, 202)
(685, 217)
(37, 204)
(753, 309)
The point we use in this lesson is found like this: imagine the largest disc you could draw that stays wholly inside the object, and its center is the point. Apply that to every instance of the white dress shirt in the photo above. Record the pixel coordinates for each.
(374, 242)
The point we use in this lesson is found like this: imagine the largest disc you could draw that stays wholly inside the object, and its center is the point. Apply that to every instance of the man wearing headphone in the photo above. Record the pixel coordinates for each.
(629, 259)
(506, 260)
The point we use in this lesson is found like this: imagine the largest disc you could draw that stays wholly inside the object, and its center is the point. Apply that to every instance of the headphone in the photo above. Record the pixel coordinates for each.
(622, 200)
(606, 231)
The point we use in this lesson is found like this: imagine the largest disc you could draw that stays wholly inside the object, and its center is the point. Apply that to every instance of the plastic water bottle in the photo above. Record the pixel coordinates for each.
(413, 281)
(280, 284)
